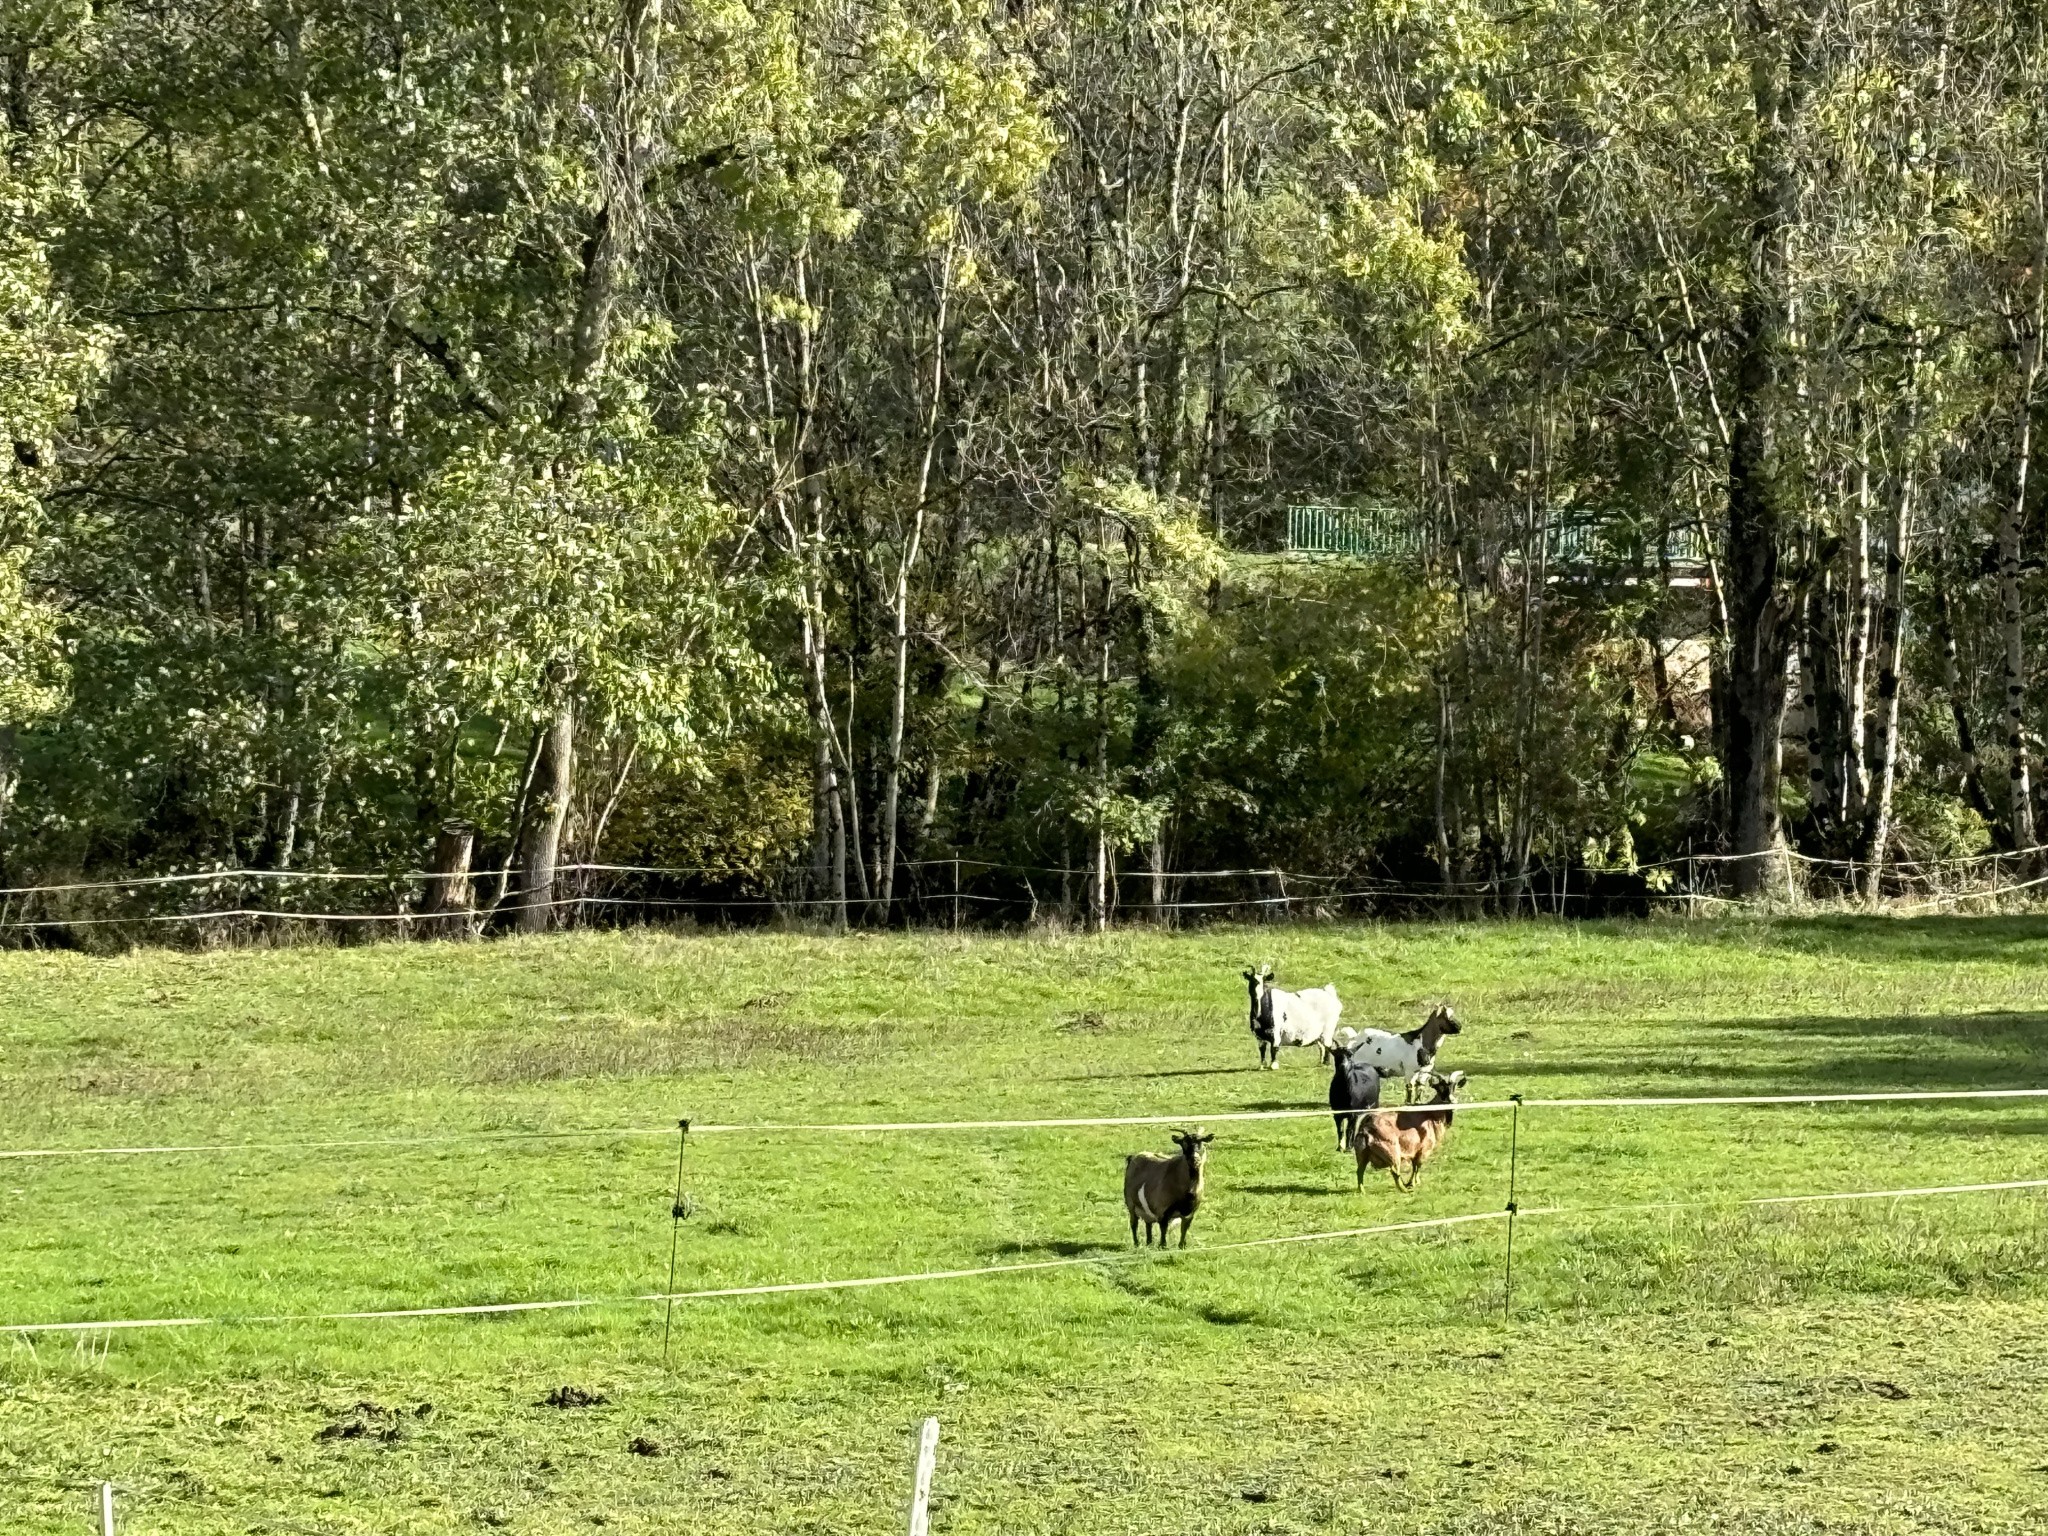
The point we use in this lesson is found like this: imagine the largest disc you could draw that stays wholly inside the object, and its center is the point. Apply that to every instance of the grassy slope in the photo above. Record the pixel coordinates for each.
(1672, 1369)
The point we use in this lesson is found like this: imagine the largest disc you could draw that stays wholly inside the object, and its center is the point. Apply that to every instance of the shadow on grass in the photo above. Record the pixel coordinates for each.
(1130, 1077)
(1054, 1248)
(1315, 1190)
(1942, 939)
(1906, 1053)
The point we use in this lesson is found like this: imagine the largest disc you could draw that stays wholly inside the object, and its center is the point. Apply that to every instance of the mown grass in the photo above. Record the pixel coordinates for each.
(1876, 1367)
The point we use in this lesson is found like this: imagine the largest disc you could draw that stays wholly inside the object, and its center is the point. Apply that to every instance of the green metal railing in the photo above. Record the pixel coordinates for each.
(1362, 533)
(1576, 538)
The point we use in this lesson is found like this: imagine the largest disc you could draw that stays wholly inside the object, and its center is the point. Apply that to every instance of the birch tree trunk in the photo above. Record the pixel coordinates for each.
(1855, 766)
(606, 246)
(541, 838)
(1877, 825)
(2011, 527)
(1099, 884)
(2019, 790)
(892, 783)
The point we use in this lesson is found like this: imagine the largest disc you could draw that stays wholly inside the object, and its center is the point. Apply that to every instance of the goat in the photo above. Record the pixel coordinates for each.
(1160, 1186)
(1291, 1018)
(1354, 1088)
(1408, 1056)
(1405, 1138)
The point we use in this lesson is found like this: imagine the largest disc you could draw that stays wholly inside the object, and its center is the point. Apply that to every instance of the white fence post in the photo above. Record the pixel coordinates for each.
(106, 1509)
(921, 1492)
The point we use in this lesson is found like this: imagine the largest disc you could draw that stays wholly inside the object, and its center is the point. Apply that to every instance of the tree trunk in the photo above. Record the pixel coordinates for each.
(1877, 824)
(828, 809)
(1958, 705)
(288, 834)
(849, 796)
(1442, 751)
(892, 784)
(1758, 611)
(2019, 793)
(1855, 764)
(2011, 528)
(541, 838)
(1100, 884)
(1814, 659)
(615, 223)
(10, 778)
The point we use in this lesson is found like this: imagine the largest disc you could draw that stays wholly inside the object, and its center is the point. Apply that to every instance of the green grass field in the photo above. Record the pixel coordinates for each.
(1875, 1367)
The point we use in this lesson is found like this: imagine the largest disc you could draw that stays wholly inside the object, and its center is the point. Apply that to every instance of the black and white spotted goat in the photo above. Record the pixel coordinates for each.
(1409, 1057)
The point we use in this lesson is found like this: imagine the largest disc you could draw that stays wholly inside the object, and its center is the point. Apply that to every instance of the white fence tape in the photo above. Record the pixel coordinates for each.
(1069, 1122)
(922, 1277)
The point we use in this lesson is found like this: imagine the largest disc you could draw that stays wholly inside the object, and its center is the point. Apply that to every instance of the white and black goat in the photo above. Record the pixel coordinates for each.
(1409, 1056)
(1291, 1018)
(1162, 1186)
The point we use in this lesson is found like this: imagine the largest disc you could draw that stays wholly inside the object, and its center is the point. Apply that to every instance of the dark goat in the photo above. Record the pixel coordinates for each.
(1354, 1087)
(1158, 1187)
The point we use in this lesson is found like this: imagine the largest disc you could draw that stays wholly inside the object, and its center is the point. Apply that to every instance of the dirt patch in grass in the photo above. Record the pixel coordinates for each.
(573, 1397)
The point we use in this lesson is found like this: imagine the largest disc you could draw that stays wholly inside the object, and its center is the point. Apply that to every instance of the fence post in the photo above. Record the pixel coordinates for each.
(106, 1509)
(676, 1214)
(1507, 1290)
(921, 1490)
(956, 895)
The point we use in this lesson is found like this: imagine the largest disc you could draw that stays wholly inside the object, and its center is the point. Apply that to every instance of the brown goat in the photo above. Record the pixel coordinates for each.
(1405, 1138)
(1161, 1186)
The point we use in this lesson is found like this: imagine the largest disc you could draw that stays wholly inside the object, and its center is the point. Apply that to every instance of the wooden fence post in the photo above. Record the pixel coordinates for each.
(921, 1490)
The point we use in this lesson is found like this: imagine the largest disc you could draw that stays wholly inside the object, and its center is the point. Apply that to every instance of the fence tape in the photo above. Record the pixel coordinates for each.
(870, 1282)
(1050, 1123)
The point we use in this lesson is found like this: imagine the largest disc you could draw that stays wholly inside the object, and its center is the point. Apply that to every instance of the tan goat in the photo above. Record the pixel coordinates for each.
(1405, 1138)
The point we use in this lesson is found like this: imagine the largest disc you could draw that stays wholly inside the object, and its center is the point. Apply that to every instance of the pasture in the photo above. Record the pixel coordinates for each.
(1871, 1367)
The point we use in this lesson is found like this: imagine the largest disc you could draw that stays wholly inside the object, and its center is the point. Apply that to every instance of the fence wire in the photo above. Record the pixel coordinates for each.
(257, 904)
(1047, 1123)
(986, 1271)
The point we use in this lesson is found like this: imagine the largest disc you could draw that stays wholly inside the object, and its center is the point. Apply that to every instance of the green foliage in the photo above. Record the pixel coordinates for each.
(49, 359)
(1300, 714)
(384, 380)
(531, 573)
